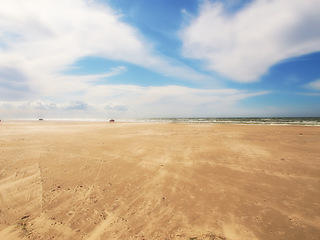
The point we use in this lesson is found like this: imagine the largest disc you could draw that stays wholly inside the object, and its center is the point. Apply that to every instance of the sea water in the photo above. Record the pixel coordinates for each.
(308, 121)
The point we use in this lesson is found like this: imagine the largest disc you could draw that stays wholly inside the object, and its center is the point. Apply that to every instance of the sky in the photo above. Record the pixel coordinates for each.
(102, 59)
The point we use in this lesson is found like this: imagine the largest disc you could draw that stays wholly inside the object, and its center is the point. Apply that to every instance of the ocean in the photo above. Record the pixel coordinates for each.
(307, 121)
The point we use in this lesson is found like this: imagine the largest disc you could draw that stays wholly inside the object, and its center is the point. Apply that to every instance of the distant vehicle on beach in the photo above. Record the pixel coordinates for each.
(40, 119)
(111, 120)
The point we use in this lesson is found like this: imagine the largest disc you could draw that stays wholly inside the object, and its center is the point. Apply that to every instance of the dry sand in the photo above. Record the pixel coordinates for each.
(159, 181)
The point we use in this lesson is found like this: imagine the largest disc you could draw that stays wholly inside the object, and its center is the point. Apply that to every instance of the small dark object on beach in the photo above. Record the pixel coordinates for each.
(111, 120)
(40, 119)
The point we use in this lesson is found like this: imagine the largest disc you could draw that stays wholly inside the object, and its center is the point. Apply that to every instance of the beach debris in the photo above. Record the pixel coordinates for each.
(111, 120)
(41, 119)
(25, 216)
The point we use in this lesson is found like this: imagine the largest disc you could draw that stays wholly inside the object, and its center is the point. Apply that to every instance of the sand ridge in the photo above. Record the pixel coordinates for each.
(158, 181)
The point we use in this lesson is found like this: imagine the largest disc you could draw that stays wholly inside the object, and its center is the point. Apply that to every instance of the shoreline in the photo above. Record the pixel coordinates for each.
(214, 121)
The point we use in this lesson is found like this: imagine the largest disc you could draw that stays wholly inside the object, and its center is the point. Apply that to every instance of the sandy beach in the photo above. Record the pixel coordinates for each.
(158, 181)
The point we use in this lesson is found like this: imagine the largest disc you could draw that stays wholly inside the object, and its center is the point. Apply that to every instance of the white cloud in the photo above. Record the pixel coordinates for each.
(315, 85)
(169, 101)
(40, 39)
(244, 45)
(76, 105)
(136, 101)
(73, 84)
(43, 105)
(116, 107)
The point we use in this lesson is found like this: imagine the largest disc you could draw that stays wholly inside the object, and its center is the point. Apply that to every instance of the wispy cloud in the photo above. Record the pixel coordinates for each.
(314, 85)
(40, 39)
(170, 100)
(137, 101)
(244, 45)
(116, 107)
(76, 105)
(14, 84)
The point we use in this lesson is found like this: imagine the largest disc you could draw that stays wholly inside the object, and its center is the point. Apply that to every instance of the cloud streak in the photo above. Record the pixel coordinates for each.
(244, 45)
(314, 85)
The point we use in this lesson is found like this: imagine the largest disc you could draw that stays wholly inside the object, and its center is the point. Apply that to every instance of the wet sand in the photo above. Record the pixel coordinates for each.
(159, 181)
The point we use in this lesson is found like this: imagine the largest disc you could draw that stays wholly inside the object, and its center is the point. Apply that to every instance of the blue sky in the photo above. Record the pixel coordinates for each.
(159, 58)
